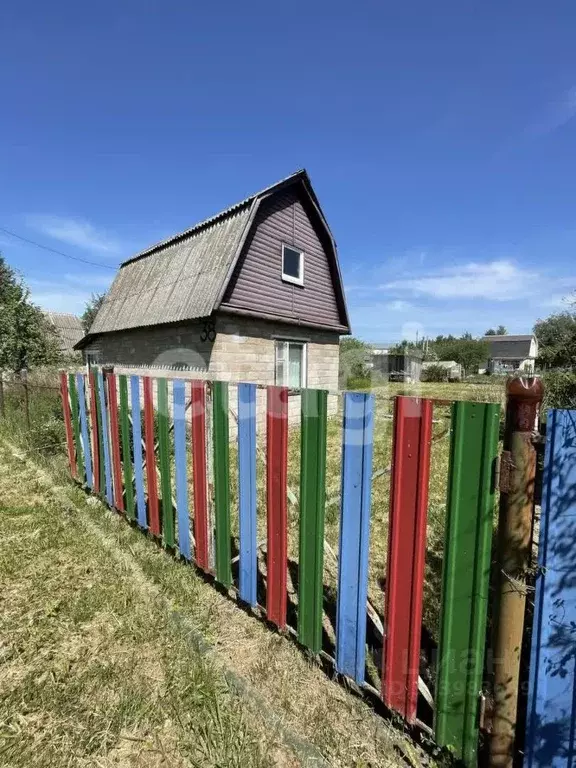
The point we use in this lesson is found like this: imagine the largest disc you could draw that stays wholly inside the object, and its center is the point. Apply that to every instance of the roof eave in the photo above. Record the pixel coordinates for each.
(84, 341)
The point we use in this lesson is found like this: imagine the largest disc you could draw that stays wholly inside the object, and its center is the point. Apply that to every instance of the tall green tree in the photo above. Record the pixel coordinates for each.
(557, 340)
(92, 307)
(26, 338)
(499, 331)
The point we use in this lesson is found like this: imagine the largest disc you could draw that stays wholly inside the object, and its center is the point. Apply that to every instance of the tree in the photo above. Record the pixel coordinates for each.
(354, 358)
(470, 353)
(92, 307)
(557, 340)
(499, 331)
(26, 337)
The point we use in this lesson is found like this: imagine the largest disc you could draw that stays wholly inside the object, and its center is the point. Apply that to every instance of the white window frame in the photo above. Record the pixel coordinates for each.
(290, 278)
(304, 367)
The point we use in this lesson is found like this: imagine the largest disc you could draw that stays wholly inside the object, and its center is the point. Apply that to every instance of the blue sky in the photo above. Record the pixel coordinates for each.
(440, 138)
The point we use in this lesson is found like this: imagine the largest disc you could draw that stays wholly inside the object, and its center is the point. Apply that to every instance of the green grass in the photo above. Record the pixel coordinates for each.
(92, 668)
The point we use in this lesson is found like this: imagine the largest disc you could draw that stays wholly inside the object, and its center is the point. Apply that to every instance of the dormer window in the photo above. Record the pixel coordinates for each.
(292, 265)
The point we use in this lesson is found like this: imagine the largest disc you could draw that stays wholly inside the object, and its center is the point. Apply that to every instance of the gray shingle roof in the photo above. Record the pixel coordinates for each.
(184, 277)
(179, 281)
(69, 329)
(511, 347)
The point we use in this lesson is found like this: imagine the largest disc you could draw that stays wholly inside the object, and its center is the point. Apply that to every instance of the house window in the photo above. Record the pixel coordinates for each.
(290, 364)
(292, 265)
(93, 358)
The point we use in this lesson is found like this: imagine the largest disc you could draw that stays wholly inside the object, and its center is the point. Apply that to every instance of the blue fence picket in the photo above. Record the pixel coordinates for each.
(179, 395)
(551, 718)
(105, 438)
(357, 445)
(87, 454)
(137, 441)
(247, 490)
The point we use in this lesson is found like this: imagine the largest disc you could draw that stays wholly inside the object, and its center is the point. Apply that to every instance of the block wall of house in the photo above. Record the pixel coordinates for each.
(239, 349)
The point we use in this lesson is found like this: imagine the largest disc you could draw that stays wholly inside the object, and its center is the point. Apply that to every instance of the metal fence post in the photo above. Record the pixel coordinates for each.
(24, 376)
(2, 407)
(517, 480)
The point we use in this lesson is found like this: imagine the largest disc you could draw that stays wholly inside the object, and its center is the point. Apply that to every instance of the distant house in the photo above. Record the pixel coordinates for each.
(253, 293)
(391, 366)
(512, 353)
(378, 350)
(68, 329)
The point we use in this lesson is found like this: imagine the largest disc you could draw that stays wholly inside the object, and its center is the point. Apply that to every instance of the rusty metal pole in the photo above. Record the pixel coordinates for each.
(517, 474)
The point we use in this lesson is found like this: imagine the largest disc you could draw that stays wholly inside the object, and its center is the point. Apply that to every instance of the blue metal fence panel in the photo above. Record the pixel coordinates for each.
(105, 438)
(138, 459)
(247, 491)
(179, 399)
(87, 451)
(551, 718)
(357, 446)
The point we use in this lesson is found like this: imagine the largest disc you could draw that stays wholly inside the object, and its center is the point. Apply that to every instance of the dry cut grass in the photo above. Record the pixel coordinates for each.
(93, 671)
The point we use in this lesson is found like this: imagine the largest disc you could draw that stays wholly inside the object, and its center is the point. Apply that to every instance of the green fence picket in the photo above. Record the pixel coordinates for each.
(312, 503)
(222, 482)
(126, 452)
(466, 575)
(164, 462)
(76, 423)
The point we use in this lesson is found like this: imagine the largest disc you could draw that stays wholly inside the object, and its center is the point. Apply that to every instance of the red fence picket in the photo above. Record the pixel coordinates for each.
(277, 491)
(115, 441)
(406, 551)
(151, 479)
(198, 411)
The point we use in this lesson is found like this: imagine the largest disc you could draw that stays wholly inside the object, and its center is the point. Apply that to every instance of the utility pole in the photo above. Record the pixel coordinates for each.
(517, 478)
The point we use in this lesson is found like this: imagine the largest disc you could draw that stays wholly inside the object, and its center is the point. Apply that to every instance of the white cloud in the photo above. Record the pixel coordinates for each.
(398, 306)
(77, 232)
(557, 301)
(494, 281)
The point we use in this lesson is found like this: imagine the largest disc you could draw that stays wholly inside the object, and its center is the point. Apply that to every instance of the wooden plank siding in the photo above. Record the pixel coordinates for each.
(257, 283)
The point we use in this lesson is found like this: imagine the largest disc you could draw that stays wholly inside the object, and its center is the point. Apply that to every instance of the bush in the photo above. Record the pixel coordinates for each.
(45, 433)
(357, 383)
(354, 358)
(559, 389)
(435, 373)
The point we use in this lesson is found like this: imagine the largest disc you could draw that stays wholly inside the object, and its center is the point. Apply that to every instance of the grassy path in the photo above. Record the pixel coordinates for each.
(100, 663)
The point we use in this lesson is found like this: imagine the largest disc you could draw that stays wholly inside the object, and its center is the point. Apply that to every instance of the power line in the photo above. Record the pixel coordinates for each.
(53, 250)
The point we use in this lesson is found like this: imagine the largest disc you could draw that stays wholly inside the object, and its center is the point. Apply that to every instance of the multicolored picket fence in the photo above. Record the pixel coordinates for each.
(165, 463)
